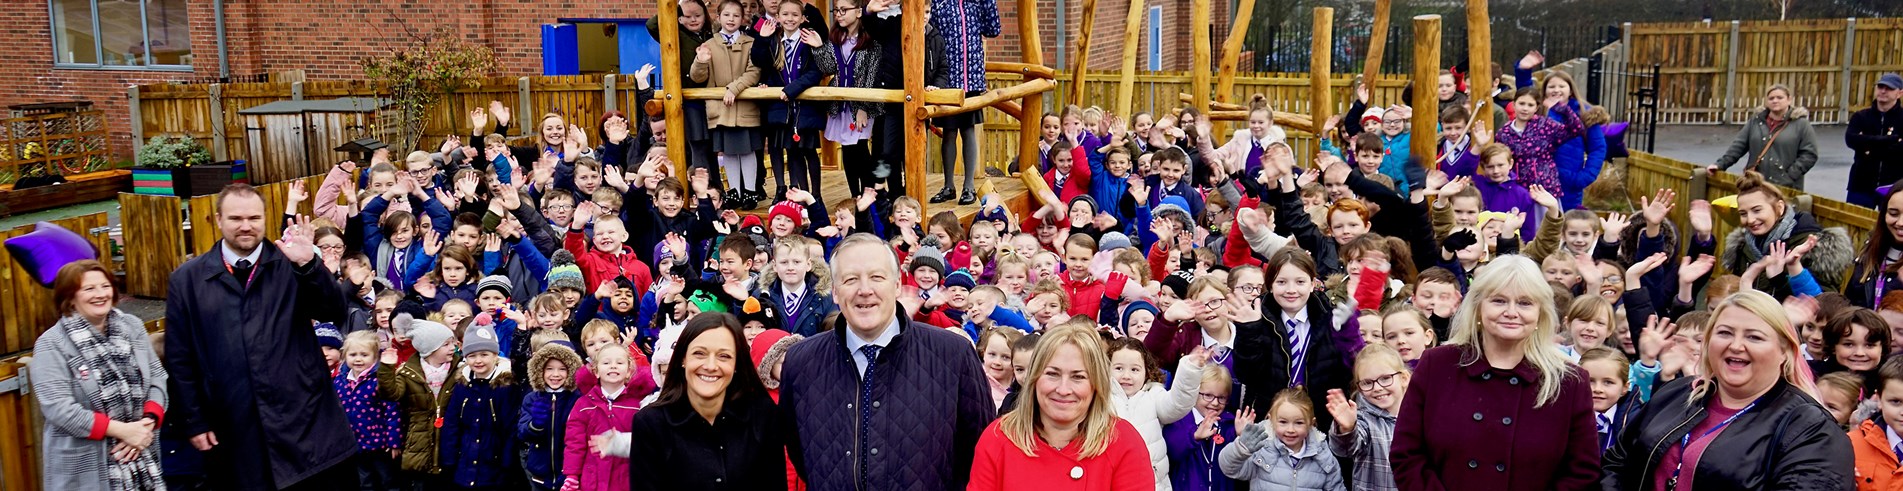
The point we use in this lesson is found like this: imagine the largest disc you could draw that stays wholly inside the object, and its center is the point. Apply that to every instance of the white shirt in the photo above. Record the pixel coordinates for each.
(1301, 322)
(883, 340)
(232, 257)
(1891, 434)
(1612, 413)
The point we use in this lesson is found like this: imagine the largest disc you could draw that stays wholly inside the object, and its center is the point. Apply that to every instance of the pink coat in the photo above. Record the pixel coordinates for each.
(595, 414)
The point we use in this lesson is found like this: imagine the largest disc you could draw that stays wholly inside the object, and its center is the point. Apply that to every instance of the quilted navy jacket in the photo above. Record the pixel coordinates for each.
(930, 400)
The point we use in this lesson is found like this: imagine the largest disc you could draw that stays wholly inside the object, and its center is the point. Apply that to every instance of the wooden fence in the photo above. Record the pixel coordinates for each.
(20, 428)
(209, 112)
(168, 230)
(26, 308)
(1647, 172)
(1716, 73)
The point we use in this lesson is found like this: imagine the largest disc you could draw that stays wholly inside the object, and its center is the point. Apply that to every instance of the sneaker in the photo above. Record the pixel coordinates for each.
(944, 195)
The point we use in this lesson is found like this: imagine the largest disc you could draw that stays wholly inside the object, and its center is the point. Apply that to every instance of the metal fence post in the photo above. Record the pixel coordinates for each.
(217, 97)
(1595, 77)
(1731, 76)
(524, 109)
(1850, 50)
(138, 122)
(608, 92)
(297, 91)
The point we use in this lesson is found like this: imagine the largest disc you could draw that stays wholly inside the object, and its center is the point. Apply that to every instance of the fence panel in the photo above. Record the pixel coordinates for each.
(155, 222)
(28, 307)
(19, 414)
(1703, 84)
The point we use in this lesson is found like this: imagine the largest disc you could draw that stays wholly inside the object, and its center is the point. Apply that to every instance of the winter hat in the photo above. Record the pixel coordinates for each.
(662, 254)
(563, 273)
(769, 349)
(494, 281)
(750, 221)
(1123, 322)
(481, 338)
(1112, 241)
(992, 215)
(924, 261)
(790, 210)
(752, 310)
(959, 257)
(1373, 114)
(960, 278)
(328, 336)
(426, 336)
(552, 351)
(1178, 282)
(1171, 204)
(1087, 199)
(706, 302)
(664, 350)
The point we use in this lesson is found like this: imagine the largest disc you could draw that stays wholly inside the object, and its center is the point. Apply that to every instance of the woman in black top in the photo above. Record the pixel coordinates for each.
(713, 430)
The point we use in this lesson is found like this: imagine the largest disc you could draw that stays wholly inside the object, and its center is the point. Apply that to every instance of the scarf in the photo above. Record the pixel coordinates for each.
(1754, 249)
(121, 393)
(434, 375)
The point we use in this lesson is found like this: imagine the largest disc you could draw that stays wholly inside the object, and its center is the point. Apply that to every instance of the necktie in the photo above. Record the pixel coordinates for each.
(792, 302)
(871, 352)
(1296, 346)
(242, 271)
(790, 44)
(1060, 181)
(1605, 431)
(395, 273)
(1899, 451)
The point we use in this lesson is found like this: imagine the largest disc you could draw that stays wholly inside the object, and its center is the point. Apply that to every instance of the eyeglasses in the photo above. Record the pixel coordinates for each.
(1382, 381)
(1212, 304)
(331, 247)
(1612, 279)
(1249, 289)
(841, 10)
(559, 207)
(1208, 397)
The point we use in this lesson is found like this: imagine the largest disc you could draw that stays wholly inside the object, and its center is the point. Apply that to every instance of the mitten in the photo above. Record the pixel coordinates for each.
(1252, 437)
(1459, 240)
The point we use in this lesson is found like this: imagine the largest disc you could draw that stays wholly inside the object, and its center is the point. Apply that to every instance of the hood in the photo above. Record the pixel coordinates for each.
(1761, 113)
(1317, 445)
(500, 376)
(552, 352)
(769, 349)
(1828, 262)
(1868, 411)
(1629, 238)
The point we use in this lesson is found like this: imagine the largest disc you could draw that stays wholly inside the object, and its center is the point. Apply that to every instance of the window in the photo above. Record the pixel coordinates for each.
(121, 33)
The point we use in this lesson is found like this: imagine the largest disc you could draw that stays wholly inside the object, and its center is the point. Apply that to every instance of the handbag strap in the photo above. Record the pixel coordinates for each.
(1767, 145)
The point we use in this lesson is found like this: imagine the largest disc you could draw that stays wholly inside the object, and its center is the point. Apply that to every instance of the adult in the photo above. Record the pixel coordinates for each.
(1070, 437)
(1751, 423)
(852, 398)
(1498, 407)
(1768, 224)
(253, 389)
(1777, 140)
(713, 430)
(100, 387)
(1875, 135)
(963, 24)
(1876, 273)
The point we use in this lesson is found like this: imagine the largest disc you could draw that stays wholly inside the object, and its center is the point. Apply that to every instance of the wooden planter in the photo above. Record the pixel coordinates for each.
(186, 182)
(154, 181)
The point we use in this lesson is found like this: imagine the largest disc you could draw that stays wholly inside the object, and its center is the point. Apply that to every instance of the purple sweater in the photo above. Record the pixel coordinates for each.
(1533, 147)
(1193, 462)
(1503, 197)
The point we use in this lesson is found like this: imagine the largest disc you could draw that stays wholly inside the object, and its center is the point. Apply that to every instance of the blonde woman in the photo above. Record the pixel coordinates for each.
(1752, 423)
(1499, 406)
(1068, 437)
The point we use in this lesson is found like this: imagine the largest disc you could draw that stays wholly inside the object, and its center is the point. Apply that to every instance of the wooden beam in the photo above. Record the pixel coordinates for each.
(912, 42)
(1199, 49)
(1213, 106)
(993, 96)
(1479, 55)
(1010, 108)
(1378, 43)
(1426, 67)
(1289, 120)
(1321, 65)
(1232, 51)
(1027, 69)
(950, 97)
(1033, 54)
(1080, 62)
(669, 27)
(1127, 79)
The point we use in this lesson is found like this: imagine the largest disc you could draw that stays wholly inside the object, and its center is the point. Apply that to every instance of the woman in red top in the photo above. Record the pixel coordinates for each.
(1069, 438)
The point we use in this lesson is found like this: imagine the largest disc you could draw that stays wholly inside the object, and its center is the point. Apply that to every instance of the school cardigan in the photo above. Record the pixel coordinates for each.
(1124, 464)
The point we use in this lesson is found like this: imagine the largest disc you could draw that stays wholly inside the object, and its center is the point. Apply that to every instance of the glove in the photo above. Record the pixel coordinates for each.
(1459, 240)
(1253, 436)
(571, 484)
(538, 410)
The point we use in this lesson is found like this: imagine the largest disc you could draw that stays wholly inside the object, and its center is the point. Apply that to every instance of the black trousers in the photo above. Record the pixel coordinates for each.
(857, 160)
(891, 151)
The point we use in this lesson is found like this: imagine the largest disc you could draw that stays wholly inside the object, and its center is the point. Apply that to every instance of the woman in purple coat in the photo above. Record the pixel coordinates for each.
(1499, 407)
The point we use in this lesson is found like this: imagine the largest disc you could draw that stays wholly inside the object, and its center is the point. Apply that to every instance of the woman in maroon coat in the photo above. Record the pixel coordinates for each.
(1499, 407)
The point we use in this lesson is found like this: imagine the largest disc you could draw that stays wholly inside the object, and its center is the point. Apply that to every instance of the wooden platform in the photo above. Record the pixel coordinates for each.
(1016, 198)
(81, 188)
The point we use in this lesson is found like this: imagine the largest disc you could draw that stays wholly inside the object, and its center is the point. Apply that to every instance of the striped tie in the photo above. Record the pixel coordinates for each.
(1605, 432)
(1296, 348)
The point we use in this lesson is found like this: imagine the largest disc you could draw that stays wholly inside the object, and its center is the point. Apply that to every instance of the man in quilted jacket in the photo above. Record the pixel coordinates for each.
(881, 402)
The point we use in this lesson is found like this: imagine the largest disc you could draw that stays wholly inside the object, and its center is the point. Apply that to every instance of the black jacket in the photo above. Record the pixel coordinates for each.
(1786, 441)
(1876, 138)
(1262, 356)
(675, 448)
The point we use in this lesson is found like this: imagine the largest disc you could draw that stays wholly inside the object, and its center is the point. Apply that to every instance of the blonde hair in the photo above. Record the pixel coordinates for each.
(1216, 372)
(800, 244)
(1297, 397)
(365, 337)
(600, 326)
(1380, 355)
(1098, 428)
(1515, 272)
(1766, 309)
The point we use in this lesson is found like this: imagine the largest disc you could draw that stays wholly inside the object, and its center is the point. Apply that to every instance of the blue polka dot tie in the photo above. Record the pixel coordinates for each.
(871, 352)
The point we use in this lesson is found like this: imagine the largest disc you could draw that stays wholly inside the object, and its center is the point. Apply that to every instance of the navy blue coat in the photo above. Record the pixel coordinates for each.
(544, 440)
(477, 443)
(813, 308)
(766, 55)
(930, 400)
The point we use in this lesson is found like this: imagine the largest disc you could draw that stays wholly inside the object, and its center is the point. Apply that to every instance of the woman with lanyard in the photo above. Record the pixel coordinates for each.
(1498, 407)
(1876, 272)
(1067, 436)
(1751, 424)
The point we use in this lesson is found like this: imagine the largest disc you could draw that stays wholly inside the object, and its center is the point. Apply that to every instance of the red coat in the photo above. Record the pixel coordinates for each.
(1464, 425)
(1124, 465)
(598, 267)
(1087, 296)
(1077, 184)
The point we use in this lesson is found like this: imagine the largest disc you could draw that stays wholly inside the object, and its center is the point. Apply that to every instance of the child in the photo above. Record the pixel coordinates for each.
(1138, 319)
(769, 352)
(1296, 459)
(1364, 428)
(390, 239)
(947, 307)
(454, 266)
(1405, 330)
(1589, 319)
(1065, 178)
(1459, 145)
(1048, 304)
(994, 348)
(1012, 274)
(1171, 164)
(543, 422)
(477, 426)
(1020, 363)
(495, 150)
(375, 421)
(1607, 369)
(787, 59)
(988, 312)
(723, 61)
(1139, 396)
(926, 271)
(1840, 393)
(609, 257)
(804, 299)
(1500, 187)
(546, 314)
(1876, 459)
(850, 123)
(420, 389)
(1533, 138)
(609, 407)
(1196, 440)
(331, 343)
(457, 315)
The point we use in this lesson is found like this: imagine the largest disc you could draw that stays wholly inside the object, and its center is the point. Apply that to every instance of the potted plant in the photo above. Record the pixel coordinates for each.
(179, 166)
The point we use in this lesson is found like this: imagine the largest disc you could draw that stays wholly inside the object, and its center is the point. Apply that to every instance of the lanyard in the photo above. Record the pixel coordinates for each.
(1685, 442)
(248, 278)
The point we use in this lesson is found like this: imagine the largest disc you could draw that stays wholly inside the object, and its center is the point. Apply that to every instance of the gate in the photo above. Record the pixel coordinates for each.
(1630, 93)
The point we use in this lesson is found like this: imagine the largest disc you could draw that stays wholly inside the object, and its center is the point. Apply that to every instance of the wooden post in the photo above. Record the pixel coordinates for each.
(1426, 67)
(1232, 52)
(1850, 50)
(1080, 62)
(1321, 65)
(912, 41)
(608, 101)
(1127, 79)
(1378, 42)
(1199, 49)
(297, 91)
(1033, 53)
(138, 121)
(1731, 76)
(671, 100)
(217, 122)
(525, 106)
(1479, 57)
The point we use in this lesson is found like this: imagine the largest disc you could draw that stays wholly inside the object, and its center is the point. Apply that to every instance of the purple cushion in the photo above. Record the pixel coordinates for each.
(47, 249)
